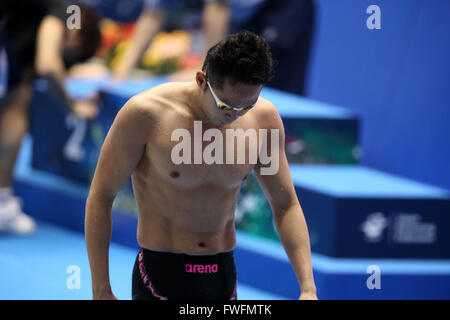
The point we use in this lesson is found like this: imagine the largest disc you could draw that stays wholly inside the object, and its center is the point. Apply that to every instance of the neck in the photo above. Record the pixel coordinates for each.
(197, 104)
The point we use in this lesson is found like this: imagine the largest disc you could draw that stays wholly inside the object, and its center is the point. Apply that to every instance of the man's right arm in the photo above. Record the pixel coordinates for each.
(121, 152)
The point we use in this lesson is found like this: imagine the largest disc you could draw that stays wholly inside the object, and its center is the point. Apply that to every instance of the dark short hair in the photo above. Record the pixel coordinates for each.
(90, 31)
(243, 57)
(89, 34)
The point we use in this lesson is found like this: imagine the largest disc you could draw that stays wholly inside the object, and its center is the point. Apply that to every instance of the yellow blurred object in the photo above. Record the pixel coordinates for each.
(167, 46)
(167, 53)
(119, 52)
(122, 46)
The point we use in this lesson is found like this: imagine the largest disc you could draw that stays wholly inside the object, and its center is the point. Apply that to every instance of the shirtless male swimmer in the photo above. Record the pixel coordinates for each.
(186, 227)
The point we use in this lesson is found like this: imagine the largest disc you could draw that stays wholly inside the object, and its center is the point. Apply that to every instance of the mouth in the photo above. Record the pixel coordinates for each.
(230, 117)
(227, 119)
(220, 122)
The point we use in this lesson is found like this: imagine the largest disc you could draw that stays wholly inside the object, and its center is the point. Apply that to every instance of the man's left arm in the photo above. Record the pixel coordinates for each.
(288, 215)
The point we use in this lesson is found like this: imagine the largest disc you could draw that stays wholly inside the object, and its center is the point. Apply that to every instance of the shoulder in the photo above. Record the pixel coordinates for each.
(155, 105)
(267, 114)
(266, 106)
(140, 113)
(139, 107)
(151, 103)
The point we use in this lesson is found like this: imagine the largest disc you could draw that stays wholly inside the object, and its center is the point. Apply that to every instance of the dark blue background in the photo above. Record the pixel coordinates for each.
(396, 78)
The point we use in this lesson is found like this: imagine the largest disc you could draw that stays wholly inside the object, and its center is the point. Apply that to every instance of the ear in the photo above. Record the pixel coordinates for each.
(200, 78)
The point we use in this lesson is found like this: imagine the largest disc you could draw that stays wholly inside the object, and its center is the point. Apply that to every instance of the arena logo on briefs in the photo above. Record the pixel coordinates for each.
(255, 151)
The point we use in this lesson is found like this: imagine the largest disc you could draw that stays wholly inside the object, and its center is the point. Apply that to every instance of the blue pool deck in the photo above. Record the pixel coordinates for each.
(36, 267)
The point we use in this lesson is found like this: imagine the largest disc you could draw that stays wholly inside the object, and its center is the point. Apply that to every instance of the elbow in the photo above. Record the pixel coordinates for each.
(45, 69)
(96, 199)
(49, 64)
(280, 209)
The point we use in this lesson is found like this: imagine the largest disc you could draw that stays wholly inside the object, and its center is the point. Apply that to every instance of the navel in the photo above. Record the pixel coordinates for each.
(201, 244)
(174, 174)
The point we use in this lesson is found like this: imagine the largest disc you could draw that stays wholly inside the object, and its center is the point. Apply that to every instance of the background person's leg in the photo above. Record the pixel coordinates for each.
(13, 126)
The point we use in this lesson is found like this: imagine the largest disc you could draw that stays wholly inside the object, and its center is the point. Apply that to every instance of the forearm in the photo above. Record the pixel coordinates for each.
(98, 226)
(216, 21)
(293, 233)
(49, 44)
(148, 25)
(55, 70)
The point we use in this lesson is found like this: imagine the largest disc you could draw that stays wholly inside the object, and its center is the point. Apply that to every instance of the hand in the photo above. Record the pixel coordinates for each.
(308, 296)
(86, 108)
(120, 75)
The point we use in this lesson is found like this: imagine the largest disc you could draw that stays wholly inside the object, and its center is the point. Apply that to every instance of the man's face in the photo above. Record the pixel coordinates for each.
(232, 94)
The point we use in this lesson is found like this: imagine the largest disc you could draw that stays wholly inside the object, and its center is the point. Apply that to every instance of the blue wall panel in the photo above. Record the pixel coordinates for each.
(397, 78)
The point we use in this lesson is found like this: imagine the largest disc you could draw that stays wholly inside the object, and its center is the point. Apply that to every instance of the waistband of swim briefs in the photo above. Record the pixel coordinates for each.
(181, 257)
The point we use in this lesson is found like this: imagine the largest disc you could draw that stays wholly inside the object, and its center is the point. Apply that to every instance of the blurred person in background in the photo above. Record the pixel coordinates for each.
(35, 42)
(286, 24)
(157, 14)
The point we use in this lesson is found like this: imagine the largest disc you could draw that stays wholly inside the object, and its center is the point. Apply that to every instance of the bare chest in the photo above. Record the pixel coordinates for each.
(192, 156)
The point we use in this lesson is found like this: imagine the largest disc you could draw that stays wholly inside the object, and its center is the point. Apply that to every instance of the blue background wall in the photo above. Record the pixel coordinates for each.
(398, 78)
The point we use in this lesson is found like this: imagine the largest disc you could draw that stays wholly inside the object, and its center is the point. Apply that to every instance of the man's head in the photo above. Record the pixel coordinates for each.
(81, 44)
(233, 74)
